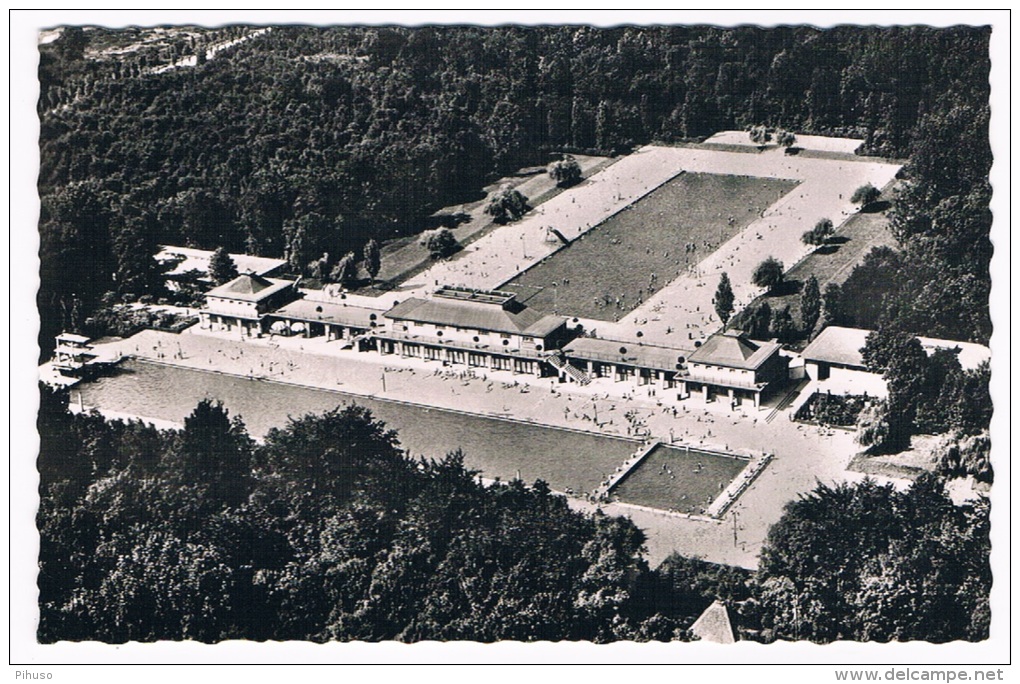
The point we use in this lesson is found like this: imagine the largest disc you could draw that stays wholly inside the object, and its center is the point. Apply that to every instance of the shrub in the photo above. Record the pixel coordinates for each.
(865, 195)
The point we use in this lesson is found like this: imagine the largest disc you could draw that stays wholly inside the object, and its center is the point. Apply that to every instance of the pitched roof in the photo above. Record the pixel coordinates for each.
(732, 350)
(841, 345)
(329, 312)
(633, 354)
(517, 319)
(714, 625)
(198, 260)
(73, 338)
(250, 288)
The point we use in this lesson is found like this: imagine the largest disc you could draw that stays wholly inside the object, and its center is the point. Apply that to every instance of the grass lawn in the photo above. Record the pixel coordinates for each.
(608, 272)
(834, 263)
(673, 478)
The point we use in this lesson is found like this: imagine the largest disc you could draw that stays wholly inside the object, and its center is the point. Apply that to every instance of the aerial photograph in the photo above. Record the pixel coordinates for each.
(481, 333)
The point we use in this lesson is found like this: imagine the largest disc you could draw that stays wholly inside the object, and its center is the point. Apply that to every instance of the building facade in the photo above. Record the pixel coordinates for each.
(336, 321)
(633, 362)
(241, 306)
(482, 329)
(730, 365)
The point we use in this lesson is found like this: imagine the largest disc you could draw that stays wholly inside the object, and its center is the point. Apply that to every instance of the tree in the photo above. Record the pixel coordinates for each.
(757, 322)
(768, 274)
(75, 255)
(222, 268)
(321, 268)
(724, 299)
(138, 273)
(819, 546)
(908, 375)
(972, 406)
(565, 172)
(865, 195)
(831, 307)
(874, 428)
(372, 259)
(214, 455)
(872, 286)
(820, 234)
(866, 562)
(782, 325)
(440, 242)
(613, 557)
(958, 454)
(760, 134)
(337, 452)
(810, 305)
(506, 205)
(345, 271)
(884, 347)
(785, 138)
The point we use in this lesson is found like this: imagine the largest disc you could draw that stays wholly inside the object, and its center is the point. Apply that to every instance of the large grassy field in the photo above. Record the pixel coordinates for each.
(609, 271)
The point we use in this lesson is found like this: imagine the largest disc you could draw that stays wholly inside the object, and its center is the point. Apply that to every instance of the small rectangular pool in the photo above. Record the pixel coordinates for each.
(679, 479)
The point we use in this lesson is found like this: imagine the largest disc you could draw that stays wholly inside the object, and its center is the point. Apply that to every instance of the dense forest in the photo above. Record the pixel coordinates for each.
(306, 140)
(329, 531)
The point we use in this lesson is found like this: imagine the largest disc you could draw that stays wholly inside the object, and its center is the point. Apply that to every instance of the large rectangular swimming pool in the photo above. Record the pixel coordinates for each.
(498, 448)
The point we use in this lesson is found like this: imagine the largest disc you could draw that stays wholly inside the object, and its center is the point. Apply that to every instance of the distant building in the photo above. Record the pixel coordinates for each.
(730, 364)
(191, 266)
(242, 304)
(714, 625)
(836, 354)
(478, 328)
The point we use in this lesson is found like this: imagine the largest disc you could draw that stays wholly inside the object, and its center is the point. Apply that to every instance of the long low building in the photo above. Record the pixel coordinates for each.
(487, 328)
(836, 354)
(335, 321)
(189, 265)
(625, 361)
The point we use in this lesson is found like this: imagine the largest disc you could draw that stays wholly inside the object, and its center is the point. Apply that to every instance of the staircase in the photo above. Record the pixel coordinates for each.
(790, 397)
(577, 375)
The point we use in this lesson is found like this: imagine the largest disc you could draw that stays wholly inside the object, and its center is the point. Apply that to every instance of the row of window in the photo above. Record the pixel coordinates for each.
(480, 333)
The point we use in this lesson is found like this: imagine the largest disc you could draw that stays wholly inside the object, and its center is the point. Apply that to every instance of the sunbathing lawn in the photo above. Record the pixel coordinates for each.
(834, 263)
(674, 478)
(607, 273)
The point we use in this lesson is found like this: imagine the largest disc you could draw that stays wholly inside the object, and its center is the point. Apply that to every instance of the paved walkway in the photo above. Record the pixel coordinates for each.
(398, 265)
(806, 142)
